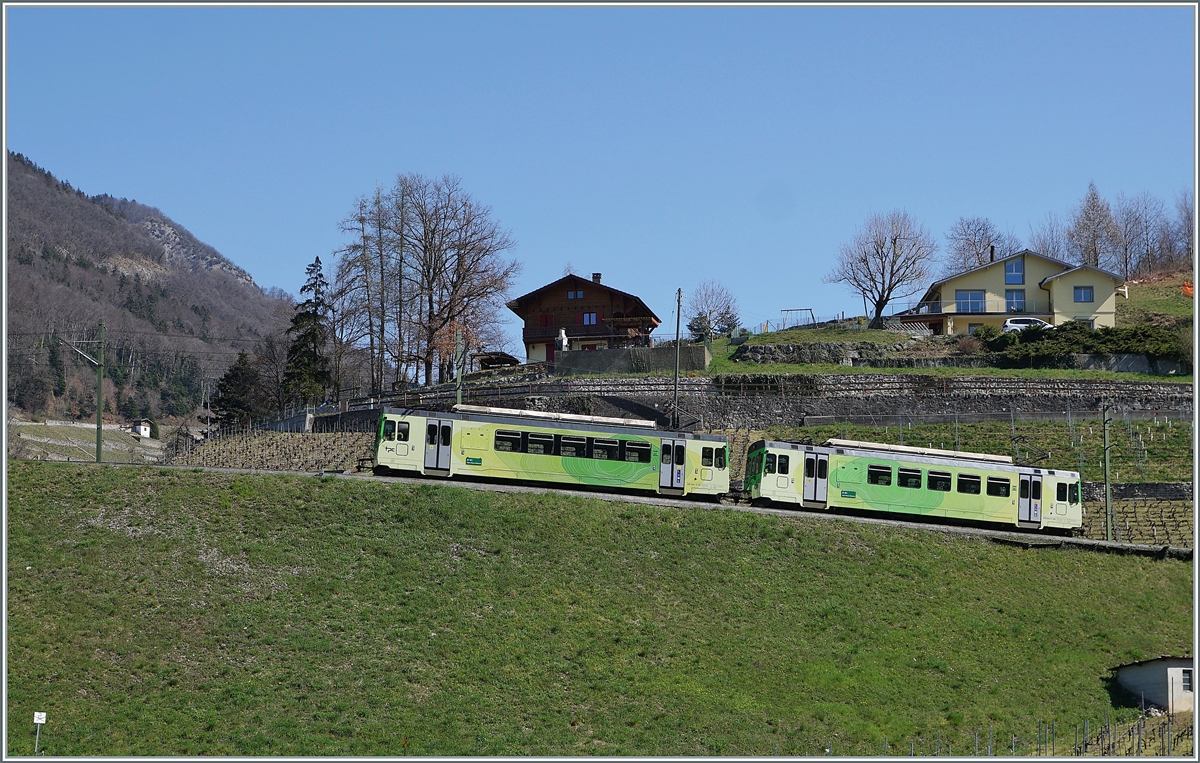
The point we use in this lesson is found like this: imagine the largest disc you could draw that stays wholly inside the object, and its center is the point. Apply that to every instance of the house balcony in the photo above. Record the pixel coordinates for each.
(972, 307)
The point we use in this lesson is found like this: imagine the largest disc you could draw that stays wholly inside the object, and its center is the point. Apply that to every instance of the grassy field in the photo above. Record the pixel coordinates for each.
(171, 612)
(1152, 301)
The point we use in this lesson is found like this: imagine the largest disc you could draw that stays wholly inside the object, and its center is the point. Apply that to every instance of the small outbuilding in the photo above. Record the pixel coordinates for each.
(1167, 682)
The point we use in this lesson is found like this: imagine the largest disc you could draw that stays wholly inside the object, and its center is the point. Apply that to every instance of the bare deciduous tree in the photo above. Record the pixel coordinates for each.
(889, 258)
(711, 310)
(1092, 235)
(1049, 238)
(1136, 221)
(971, 241)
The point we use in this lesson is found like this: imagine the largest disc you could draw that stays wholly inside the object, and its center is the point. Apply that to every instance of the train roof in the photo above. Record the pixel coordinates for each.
(516, 418)
(915, 451)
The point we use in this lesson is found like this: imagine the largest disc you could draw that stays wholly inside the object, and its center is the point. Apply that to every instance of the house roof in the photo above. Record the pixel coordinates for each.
(1152, 659)
(1066, 268)
(1077, 268)
(639, 306)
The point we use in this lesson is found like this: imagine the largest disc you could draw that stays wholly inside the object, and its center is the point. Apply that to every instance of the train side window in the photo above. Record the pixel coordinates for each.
(573, 447)
(706, 456)
(1037, 491)
(402, 431)
(638, 452)
(389, 430)
(938, 481)
(909, 478)
(770, 463)
(822, 469)
(1062, 491)
(431, 434)
(509, 442)
(783, 463)
(605, 450)
(999, 486)
(879, 475)
(1073, 493)
(542, 444)
(721, 463)
(666, 453)
(1025, 488)
(968, 483)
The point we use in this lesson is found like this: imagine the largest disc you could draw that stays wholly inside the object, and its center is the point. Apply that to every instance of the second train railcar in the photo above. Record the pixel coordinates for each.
(848, 474)
(572, 451)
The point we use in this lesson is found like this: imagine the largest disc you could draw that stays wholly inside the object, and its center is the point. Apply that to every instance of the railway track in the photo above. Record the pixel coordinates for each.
(1029, 540)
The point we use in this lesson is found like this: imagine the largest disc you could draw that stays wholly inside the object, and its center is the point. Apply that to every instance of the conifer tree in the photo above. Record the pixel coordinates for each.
(307, 375)
(238, 397)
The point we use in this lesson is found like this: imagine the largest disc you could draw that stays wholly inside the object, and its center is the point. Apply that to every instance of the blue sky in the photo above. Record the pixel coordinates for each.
(659, 146)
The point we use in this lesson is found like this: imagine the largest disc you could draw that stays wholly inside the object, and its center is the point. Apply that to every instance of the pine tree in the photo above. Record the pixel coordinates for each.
(307, 375)
(238, 397)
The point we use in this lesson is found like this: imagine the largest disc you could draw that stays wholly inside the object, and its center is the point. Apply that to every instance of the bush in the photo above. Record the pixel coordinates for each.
(970, 345)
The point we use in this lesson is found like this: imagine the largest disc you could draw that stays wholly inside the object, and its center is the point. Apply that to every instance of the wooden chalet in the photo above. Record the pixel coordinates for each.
(589, 314)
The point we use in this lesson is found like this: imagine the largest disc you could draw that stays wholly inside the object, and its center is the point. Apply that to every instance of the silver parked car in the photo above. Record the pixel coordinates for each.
(1020, 324)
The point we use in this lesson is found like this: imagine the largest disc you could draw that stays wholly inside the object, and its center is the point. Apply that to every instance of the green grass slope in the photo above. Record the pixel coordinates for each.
(167, 612)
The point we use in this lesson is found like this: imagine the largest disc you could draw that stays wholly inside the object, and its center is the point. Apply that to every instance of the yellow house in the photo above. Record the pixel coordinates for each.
(1025, 284)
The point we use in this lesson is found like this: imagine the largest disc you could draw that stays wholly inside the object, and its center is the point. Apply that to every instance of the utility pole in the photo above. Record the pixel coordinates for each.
(1108, 507)
(100, 396)
(459, 355)
(675, 405)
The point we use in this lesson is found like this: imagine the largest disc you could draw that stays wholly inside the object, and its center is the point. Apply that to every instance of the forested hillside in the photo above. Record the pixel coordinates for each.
(175, 311)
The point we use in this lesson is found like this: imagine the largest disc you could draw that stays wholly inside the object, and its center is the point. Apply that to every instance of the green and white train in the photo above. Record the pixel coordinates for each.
(562, 449)
(942, 484)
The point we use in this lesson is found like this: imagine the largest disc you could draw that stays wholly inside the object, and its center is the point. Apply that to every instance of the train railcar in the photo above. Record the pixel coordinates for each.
(562, 449)
(847, 474)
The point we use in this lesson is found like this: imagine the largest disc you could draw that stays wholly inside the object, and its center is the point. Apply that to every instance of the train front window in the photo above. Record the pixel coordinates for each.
(706, 456)
(783, 464)
(401, 431)
(770, 463)
(999, 486)
(721, 463)
(1062, 491)
(879, 475)
(909, 478)
(938, 481)
(1073, 493)
(389, 430)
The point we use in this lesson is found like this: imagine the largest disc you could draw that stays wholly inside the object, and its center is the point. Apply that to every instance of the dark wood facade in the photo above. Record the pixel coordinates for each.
(593, 317)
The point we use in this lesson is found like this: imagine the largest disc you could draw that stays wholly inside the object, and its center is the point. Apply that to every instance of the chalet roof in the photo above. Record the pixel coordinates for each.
(639, 307)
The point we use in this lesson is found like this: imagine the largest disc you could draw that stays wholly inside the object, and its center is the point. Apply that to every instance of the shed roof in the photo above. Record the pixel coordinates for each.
(1152, 659)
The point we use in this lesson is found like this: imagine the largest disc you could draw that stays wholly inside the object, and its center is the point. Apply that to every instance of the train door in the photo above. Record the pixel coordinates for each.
(1029, 501)
(816, 477)
(671, 469)
(437, 444)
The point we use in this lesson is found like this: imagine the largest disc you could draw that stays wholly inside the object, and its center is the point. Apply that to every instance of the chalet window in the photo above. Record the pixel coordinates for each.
(1085, 294)
(998, 486)
(909, 478)
(1014, 271)
(575, 294)
(879, 475)
(589, 319)
(938, 481)
(968, 483)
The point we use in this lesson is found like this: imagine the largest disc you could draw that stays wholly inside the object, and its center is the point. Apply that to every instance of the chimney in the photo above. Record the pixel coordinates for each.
(993, 249)
(595, 278)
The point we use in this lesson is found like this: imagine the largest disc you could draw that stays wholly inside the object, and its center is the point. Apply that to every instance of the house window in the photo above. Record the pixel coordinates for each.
(1014, 271)
(1089, 322)
(1085, 294)
(972, 326)
(571, 294)
(589, 319)
(1187, 679)
(579, 294)
(1014, 300)
(970, 300)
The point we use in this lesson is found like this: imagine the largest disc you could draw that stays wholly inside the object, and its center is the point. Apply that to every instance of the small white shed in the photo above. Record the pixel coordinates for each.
(1167, 682)
(140, 428)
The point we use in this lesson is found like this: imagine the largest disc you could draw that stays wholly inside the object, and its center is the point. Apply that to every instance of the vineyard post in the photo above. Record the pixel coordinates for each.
(1108, 507)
